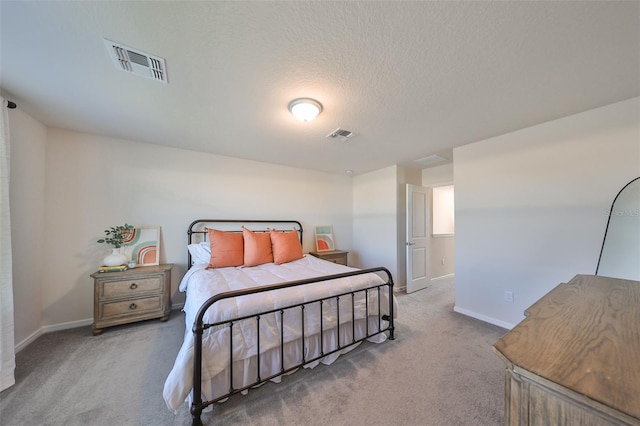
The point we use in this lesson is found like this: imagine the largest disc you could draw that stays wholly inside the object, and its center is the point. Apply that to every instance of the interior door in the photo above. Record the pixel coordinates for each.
(418, 207)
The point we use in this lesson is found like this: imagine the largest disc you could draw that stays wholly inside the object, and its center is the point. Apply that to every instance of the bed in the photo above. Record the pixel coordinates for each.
(246, 325)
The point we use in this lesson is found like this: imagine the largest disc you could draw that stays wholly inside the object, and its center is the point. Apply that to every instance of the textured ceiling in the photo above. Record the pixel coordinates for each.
(411, 79)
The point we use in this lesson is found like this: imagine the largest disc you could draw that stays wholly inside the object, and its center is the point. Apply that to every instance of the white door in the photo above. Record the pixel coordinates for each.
(418, 276)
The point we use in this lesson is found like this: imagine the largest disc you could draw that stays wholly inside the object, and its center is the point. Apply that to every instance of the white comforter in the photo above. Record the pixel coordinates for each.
(201, 284)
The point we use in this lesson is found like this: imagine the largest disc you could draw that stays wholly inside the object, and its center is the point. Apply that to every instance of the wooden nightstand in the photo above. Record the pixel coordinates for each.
(335, 256)
(133, 295)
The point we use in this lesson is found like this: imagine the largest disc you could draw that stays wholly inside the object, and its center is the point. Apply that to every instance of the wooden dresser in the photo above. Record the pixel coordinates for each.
(335, 256)
(133, 295)
(575, 358)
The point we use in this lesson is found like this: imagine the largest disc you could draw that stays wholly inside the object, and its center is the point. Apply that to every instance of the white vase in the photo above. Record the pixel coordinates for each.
(115, 258)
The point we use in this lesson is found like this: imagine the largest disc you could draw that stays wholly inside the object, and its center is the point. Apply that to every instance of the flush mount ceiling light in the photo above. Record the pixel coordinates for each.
(305, 109)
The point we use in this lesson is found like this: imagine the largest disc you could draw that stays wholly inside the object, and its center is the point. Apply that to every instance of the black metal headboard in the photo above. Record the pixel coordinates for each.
(197, 230)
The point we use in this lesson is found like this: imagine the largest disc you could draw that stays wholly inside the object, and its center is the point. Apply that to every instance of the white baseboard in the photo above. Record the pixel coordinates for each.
(484, 318)
(65, 326)
(51, 328)
(30, 339)
(443, 277)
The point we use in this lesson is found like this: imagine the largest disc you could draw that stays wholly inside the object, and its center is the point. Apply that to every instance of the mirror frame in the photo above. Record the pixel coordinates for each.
(604, 239)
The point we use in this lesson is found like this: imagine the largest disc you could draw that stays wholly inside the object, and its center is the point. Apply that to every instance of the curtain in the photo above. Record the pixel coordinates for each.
(7, 344)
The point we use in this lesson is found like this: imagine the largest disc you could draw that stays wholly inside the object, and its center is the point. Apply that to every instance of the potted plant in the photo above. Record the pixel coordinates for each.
(115, 236)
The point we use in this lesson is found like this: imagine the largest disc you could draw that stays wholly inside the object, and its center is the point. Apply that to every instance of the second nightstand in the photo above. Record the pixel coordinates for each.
(335, 256)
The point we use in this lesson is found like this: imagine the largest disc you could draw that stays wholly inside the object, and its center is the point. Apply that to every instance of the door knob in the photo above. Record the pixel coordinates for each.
(410, 244)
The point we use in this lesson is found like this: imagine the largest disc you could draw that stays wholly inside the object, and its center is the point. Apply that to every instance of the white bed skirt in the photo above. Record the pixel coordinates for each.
(245, 371)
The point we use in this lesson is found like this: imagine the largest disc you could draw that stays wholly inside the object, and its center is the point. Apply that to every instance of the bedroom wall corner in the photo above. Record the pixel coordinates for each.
(27, 202)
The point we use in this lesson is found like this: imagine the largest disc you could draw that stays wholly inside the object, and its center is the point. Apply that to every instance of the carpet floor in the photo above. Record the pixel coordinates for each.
(440, 370)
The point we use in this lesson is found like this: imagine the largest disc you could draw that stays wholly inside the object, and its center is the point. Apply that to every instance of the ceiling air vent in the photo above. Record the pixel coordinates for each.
(340, 135)
(137, 62)
(430, 160)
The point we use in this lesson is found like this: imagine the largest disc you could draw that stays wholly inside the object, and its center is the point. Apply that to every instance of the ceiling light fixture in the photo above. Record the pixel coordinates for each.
(305, 109)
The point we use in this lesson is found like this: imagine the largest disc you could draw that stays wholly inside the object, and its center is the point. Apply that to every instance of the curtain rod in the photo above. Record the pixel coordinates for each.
(11, 104)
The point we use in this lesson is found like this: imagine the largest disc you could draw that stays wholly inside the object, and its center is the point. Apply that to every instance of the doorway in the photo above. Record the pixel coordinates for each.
(430, 230)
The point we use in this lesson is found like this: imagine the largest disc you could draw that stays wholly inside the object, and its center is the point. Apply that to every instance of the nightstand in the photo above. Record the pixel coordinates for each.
(133, 295)
(335, 256)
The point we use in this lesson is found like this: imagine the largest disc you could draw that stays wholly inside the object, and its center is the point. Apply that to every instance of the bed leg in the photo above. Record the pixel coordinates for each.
(196, 402)
(391, 327)
(195, 415)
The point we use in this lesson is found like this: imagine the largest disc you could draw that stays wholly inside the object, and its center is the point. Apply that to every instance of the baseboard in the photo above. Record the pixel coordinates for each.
(51, 328)
(67, 325)
(30, 339)
(443, 277)
(484, 318)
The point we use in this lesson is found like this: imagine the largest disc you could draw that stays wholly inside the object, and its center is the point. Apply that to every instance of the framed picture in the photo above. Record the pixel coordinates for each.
(143, 245)
(324, 238)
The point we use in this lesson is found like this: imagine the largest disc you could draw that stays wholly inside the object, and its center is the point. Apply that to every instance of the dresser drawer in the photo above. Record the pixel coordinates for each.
(130, 307)
(130, 288)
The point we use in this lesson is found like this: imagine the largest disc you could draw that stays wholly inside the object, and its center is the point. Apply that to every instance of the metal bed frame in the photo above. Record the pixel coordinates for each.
(198, 405)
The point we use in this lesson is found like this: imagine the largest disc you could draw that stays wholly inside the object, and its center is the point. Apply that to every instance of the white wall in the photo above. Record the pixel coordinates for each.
(28, 151)
(532, 206)
(93, 182)
(375, 217)
(438, 175)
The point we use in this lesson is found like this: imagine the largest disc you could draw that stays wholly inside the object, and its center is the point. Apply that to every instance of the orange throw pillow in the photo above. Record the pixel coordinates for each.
(257, 247)
(226, 249)
(286, 246)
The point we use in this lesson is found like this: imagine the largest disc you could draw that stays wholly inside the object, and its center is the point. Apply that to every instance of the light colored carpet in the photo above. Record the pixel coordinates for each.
(440, 370)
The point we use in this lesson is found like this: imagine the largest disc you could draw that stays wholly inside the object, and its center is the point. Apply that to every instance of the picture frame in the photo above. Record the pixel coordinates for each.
(143, 245)
(324, 238)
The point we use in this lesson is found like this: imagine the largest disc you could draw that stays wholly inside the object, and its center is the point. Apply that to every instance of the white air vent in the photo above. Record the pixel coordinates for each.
(137, 62)
(340, 135)
(430, 160)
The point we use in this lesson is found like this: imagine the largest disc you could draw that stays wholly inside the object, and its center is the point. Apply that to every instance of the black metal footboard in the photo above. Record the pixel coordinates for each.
(199, 326)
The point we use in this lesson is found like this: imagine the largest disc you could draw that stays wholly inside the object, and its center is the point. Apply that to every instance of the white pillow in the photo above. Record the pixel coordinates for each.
(200, 253)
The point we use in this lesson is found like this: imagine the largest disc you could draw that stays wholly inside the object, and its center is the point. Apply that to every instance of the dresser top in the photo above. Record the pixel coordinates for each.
(139, 270)
(585, 336)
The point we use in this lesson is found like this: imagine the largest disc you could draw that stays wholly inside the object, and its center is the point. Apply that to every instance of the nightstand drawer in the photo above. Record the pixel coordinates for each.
(336, 258)
(134, 287)
(130, 307)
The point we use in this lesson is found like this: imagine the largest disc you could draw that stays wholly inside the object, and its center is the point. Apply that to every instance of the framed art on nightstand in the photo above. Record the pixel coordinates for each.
(143, 245)
(324, 238)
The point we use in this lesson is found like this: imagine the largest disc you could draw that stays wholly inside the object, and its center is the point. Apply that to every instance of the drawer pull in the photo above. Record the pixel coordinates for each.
(133, 286)
(133, 306)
